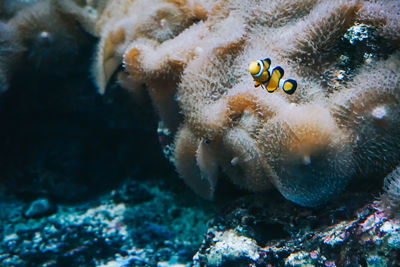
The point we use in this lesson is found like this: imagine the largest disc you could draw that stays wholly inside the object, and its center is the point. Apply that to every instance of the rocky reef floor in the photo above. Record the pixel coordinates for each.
(158, 222)
(137, 224)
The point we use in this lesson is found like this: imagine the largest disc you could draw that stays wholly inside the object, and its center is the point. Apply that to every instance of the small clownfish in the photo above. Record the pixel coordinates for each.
(270, 79)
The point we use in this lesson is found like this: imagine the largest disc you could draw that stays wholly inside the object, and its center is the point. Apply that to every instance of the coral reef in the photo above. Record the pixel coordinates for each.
(258, 231)
(45, 36)
(49, 46)
(193, 58)
(82, 178)
(39, 38)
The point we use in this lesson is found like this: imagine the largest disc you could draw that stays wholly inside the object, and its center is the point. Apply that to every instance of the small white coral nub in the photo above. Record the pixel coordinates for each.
(379, 112)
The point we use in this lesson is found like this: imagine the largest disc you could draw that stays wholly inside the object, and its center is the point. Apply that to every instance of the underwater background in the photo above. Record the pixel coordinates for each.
(133, 133)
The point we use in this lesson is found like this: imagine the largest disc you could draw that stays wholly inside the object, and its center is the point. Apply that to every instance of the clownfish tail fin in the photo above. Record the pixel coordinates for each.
(288, 86)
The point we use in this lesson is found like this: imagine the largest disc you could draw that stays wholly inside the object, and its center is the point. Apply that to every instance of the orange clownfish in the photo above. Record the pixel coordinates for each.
(270, 79)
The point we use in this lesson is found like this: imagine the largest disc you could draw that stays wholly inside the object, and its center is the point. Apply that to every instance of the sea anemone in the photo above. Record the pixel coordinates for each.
(341, 122)
(51, 38)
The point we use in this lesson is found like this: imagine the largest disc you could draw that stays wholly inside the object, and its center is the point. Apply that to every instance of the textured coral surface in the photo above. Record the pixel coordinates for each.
(193, 56)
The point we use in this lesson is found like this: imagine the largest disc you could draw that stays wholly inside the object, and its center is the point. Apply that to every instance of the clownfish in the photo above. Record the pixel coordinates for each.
(270, 79)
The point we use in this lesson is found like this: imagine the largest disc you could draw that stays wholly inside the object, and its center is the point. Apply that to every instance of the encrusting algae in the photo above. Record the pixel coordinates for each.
(335, 120)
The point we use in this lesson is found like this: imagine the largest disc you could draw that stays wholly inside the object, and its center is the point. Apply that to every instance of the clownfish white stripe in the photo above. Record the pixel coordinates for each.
(261, 64)
(281, 82)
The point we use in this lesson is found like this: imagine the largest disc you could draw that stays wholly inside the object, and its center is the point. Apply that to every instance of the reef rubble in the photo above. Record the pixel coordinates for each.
(254, 231)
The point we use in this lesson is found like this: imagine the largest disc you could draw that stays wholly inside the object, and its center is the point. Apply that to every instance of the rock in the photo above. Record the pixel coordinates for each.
(233, 248)
(360, 235)
(39, 208)
(103, 231)
(133, 192)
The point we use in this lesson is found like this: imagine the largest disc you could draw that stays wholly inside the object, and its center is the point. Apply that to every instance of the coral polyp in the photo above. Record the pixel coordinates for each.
(193, 56)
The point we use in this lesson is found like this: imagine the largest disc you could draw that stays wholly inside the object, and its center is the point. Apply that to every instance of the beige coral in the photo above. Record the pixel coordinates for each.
(193, 56)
